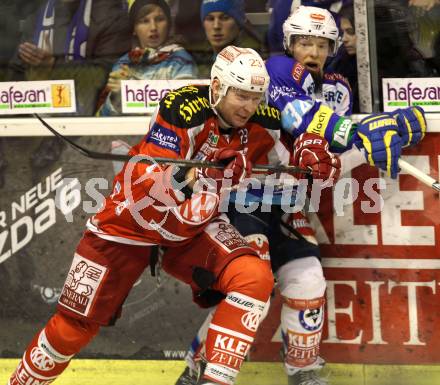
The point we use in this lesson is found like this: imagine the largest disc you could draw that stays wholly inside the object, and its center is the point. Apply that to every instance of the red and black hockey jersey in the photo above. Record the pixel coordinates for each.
(144, 208)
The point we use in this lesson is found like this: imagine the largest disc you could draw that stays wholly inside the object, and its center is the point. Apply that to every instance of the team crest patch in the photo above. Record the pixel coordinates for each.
(199, 209)
(81, 285)
(311, 319)
(230, 237)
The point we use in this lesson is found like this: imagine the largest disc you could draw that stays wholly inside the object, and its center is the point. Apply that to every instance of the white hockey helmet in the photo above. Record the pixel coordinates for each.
(241, 68)
(311, 21)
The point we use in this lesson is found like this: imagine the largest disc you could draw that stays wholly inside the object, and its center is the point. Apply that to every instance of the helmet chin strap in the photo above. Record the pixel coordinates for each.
(223, 123)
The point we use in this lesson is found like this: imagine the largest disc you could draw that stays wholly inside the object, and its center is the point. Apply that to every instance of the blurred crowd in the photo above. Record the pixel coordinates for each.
(98, 43)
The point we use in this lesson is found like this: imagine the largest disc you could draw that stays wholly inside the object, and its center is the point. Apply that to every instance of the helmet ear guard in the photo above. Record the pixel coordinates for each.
(241, 68)
(311, 21)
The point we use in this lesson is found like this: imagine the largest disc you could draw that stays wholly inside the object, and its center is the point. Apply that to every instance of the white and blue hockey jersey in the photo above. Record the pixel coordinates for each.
(292, 91)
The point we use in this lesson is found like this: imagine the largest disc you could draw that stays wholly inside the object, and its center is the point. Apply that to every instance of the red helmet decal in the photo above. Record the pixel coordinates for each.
(317, 16)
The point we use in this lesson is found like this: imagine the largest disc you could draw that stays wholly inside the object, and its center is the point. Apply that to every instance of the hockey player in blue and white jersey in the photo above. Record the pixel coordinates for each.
(312, 102)
(299, 86)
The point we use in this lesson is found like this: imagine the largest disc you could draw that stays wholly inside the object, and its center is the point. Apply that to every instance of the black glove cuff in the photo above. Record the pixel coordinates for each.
(179, 177)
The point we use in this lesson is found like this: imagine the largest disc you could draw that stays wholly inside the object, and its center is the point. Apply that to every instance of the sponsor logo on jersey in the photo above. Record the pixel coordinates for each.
(302, 349)
(251, 320)
(320, 121)
(190, 107)
(221, 373)
(275, 92)
(265, 110)
(172, 95)
(238, 300)
(41, 360)
(342, 133)
(226, 359)
(335, 77)
(333, 96)
(230, 344)
(204, 151)
(244, 302)
(311, 319)
(24, 375)
(81, 285)
(48, 350)
(297, 72)
(212, 139)
(163, 137)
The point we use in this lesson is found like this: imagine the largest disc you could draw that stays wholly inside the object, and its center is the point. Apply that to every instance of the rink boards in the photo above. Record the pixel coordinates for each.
(382, 270)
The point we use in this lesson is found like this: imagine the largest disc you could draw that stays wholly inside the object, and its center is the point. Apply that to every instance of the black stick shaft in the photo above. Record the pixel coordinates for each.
(188, 163)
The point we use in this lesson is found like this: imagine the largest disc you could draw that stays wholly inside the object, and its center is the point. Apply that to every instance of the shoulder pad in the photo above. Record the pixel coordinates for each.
(333, 77)
(285, 70)
(267, 116)
(186, 107)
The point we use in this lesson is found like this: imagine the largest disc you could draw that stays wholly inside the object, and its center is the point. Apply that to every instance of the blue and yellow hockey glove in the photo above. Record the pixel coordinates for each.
(378, 134)
(411, 124)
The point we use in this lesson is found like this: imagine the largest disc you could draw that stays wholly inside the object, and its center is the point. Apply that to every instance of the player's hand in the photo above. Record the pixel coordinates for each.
(411, 124)
(237, 167)
(379, 135)
(311, 151)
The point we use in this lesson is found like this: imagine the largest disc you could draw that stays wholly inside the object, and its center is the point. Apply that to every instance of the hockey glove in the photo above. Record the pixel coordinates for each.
(311, 151)
(237, 168)
(379, 135)
(411, 124)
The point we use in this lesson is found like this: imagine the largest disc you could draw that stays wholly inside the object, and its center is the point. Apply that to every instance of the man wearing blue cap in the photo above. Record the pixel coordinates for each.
(224, 23)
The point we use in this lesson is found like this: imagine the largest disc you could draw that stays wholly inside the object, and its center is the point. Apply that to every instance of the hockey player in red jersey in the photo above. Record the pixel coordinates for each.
(148, 207)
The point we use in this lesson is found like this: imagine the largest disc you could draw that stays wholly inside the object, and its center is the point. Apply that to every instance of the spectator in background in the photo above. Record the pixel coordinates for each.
(397, 56)
(154, 54)
(345, 63)
(424, 16)
(71, 39)
(224, 23)
(11, 14)
(9, 35)
(426, 5)
(186, 11)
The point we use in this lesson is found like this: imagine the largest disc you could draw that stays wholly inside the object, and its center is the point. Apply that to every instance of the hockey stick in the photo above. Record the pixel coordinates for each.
(188, 163)
(420, 175)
